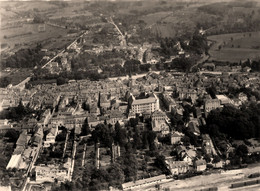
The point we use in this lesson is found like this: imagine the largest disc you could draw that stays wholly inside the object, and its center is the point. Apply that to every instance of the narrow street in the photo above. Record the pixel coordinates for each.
(73, 159)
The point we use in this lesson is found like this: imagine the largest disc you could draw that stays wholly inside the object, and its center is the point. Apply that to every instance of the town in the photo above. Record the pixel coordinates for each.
(157, 121)
(119, 108)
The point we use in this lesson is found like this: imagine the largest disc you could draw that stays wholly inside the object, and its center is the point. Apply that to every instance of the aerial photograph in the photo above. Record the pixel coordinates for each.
(130, 95)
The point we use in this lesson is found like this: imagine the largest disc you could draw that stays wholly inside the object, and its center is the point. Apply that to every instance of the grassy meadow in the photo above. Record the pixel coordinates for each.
(235, 46)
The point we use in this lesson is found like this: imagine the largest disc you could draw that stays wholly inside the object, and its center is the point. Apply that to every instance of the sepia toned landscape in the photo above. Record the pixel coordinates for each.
(130, 95)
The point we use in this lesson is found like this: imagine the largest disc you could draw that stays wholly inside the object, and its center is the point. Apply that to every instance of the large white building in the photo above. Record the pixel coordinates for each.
(150, 105)
(211, 104)
(15, 161)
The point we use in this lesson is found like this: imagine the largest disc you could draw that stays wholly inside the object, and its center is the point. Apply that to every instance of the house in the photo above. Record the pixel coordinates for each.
(92, 120)
(198, 112)
(37, 137)
(123, 108)
(45, 118)
(158, 116)
(179, 109)
(236, 102)
(51, 173)
(246, 69)
(189, 156)
(161, 127)
(94, 109)
(218, 164)
(104, 101)
(194, 127)
(159, 122)
(200, 165)
(114, 116)
(176, 137)
(242, 97)
(184, 154)
(177, 167)
(22, 140)
(149, 104)
(14, 162)
(4, 126)
(51, 136)
(206, 144)
(211, 104)
(209, 66)
(223, 99)
(181, 150)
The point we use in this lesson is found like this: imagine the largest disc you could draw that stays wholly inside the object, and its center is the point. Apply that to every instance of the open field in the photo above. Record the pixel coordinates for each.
(178, 21)
(19, 76)
(235, 46)
(69, 12)
(154, 17)
(29, 34)
(27, 6)
(234, 54)
(16, 75)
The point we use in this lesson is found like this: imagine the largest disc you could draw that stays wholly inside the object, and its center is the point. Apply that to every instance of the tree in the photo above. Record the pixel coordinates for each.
(145, 140)
(38, 19)
(151, 135)
(216, 159)
(5, 81)
(61, 81)
(103, 135)
(212, 91)
(241, 150)
(186, 140)
(133, 122)
(207, 158)
(128, 163)
(12, 134)
(236, 123)
(160, 163)
(120, 135)
(61, 136)
(85, 106)
(116, 175)
(85, 130)
(132, 66)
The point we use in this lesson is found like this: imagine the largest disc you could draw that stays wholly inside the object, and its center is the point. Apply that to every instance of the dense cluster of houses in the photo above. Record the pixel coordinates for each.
(152, 96)
(26, 150)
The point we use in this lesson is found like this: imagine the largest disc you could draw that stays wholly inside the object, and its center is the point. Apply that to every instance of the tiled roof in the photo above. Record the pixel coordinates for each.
(144, 101)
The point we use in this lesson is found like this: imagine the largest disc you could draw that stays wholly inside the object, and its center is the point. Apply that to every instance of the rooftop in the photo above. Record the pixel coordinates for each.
(144, 101)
